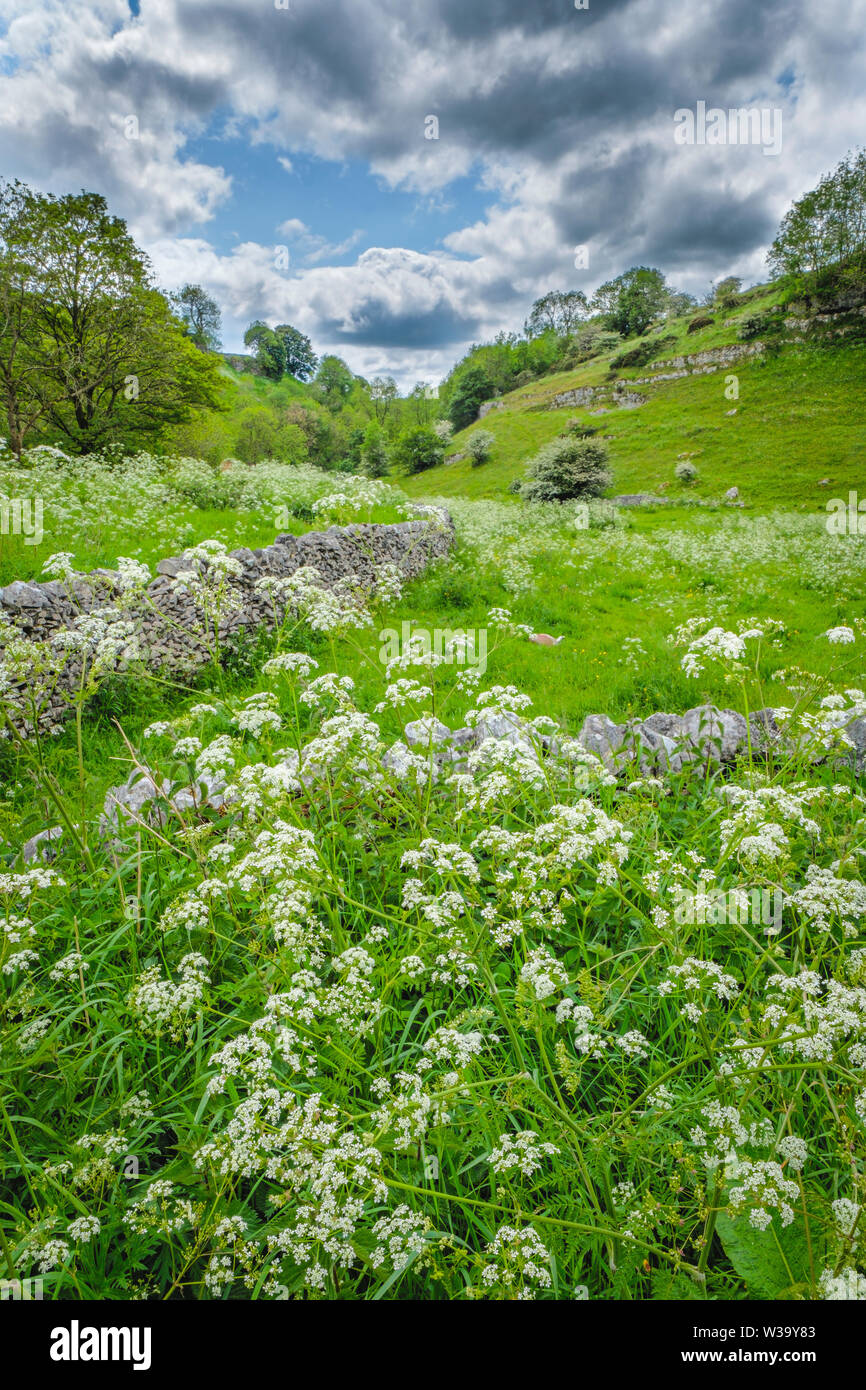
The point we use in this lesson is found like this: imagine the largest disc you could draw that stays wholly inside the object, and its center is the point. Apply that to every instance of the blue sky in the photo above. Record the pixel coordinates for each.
(556, 130)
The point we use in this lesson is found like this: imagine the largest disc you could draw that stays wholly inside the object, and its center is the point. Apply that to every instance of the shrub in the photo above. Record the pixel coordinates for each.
(702, 321)
(418, 449)
(443, 429)
(471, 390)
(644, 352)
(478, 446)
(579, 429)
(758, 325)
(685, 472)
(566, 468)
(374, 454)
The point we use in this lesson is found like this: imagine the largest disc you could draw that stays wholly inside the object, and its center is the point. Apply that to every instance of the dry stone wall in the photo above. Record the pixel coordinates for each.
(167, 621)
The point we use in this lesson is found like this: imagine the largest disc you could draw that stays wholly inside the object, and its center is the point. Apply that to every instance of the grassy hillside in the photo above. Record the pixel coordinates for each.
(798, 421)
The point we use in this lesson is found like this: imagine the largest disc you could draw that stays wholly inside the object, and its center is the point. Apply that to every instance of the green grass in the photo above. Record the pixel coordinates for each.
(799, 420)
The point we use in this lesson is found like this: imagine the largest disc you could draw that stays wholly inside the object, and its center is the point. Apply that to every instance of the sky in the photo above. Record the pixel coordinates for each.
(402, 178)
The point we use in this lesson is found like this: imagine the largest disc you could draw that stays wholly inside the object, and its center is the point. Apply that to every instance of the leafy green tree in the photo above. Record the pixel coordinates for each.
(559, 311)
(23, 403)
(417, 449)
(823, 235)
(334, 382)
(567, 467)
(726, 293)
(679, 303)
(110, 360)
(201, 315)
(631, 302)
(299, 360)
(374, 452)
(472, 388)
(257, 429)
(267, 350)
(383, 393)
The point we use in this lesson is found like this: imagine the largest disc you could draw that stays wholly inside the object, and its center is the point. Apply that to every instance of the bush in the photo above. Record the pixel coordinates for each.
(579, 429)
(418, 449)
(478, 446)
(644, 352)
(759, 325)
(685, 472)
(702, 321)
(567, 468)
(374, 454)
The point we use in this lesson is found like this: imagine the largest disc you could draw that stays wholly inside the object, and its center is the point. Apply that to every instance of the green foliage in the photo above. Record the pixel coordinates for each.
(643, 353)
(334, 382)
(773, 1263)
(90, 350)
(470, 390)
(557, 312)
(374, 452)
(567, 468)
(760, 325)
(281, 351)
(822, 239)
(479, 445)
(631, 302)
(418, 449)
(201, 315)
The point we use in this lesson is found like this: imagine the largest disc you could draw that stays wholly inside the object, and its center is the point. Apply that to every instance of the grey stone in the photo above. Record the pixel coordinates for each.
(21, 595)
(40, 846)
(426, 733)
(718, 735)
(601, 736)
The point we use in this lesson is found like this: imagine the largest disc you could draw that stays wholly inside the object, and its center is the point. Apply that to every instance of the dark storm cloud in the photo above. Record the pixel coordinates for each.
(376, 323)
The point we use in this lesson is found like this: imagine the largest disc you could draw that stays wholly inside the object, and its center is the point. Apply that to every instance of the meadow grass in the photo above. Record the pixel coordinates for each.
(357, 1031)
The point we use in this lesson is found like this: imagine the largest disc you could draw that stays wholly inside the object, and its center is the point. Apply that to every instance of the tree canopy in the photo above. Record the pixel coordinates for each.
(89, 348)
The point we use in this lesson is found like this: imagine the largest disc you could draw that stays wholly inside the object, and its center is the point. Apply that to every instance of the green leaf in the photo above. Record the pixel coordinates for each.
(772, 1263)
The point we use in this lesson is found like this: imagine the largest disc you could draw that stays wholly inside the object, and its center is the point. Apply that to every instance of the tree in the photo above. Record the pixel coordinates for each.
(557, 312)
(334, 382)
(823, 235)
(727, 292)
(629, 303)
(383, 393)
(22, 402)
(423, 402)
(299, 360)
(281, 350)
(374, 454)
(202, 316)
(679, 303)
(267, 349)
(567, 467)
(472, 388)
(257, 428)
(417, 449)
(109, 359)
